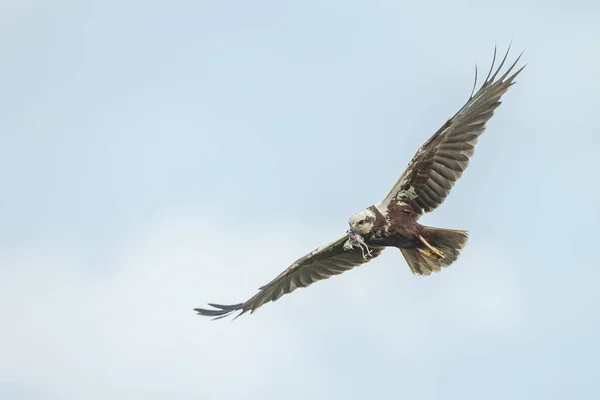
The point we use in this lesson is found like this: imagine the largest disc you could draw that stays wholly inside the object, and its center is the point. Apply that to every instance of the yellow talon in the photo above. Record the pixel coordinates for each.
(437, 255)
(432, 252)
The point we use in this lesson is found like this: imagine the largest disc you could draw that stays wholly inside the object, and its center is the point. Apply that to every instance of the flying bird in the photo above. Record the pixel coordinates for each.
(393, 222)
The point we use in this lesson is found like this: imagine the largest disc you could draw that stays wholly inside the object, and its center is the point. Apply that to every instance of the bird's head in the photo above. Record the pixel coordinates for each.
(361, 223)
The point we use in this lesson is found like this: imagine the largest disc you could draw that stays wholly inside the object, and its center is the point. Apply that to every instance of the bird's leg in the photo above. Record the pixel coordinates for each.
(429, 254)
(432, 252)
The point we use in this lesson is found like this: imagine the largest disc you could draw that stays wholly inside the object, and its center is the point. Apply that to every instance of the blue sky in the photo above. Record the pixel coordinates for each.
(155, 156)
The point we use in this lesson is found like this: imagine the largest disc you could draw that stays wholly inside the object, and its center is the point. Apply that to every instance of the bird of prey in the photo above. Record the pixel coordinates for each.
(393, 222)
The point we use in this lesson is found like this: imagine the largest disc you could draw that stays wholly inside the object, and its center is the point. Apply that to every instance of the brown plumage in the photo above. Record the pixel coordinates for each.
(423, 186)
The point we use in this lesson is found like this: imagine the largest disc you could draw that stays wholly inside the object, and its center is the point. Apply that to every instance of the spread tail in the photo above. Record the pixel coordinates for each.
(423, 261)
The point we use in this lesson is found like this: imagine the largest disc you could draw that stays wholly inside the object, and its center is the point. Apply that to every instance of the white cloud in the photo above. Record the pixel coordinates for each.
(125, 329)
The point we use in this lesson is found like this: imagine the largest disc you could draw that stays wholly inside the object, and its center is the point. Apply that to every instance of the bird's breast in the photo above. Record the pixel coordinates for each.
(392, 240)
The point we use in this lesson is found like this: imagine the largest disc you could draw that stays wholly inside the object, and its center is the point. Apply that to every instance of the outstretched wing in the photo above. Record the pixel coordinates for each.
(440, 162)
(317, 265)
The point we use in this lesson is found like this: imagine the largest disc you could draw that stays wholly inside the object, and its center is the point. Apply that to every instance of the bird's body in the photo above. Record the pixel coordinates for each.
(400, 229)
(393, 222)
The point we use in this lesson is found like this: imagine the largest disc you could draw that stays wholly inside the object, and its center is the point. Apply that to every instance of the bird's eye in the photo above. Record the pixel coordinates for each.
(362, 221)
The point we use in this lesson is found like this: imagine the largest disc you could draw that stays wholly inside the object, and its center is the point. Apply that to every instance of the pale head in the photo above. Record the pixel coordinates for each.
(362, 222)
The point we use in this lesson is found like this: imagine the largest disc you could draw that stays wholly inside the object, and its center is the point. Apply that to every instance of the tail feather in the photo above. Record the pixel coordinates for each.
(448, 241)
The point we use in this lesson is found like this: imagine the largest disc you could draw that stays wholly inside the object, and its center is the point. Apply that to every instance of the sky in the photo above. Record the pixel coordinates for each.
(156, 156)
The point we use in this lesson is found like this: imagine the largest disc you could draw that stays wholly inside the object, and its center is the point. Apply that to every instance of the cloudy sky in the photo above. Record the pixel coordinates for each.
(155, 156)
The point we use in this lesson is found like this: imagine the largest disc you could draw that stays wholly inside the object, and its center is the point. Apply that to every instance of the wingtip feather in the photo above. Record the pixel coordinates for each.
(220, 311)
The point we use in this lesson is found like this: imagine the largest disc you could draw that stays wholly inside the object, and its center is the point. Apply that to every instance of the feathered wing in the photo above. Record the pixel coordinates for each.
(322, 263)
(440, 162)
